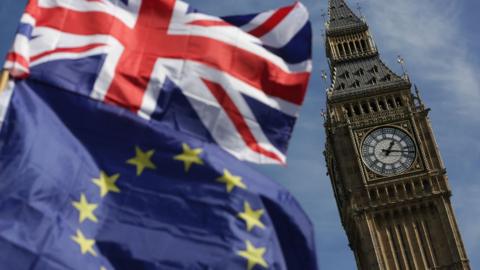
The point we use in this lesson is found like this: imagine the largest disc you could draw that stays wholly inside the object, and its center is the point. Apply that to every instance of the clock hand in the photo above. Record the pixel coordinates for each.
(398, 151)
(389, 149)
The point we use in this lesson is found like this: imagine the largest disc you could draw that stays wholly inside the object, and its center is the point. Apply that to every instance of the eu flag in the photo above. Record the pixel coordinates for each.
(87, 185)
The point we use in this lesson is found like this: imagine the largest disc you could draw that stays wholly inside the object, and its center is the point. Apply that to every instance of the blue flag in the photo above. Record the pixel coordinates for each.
(87, 185)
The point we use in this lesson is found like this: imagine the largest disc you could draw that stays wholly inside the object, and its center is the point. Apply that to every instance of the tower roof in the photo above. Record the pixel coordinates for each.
(355, 64)
(342, 19)
(364, 75)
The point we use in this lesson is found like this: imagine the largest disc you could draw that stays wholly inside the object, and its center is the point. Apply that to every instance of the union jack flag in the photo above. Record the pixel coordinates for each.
(236, 81)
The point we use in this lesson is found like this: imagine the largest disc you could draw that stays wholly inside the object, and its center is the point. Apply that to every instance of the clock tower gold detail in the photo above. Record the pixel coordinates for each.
(387, 174)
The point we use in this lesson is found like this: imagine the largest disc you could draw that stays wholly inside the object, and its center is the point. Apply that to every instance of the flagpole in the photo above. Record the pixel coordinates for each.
(3, 80)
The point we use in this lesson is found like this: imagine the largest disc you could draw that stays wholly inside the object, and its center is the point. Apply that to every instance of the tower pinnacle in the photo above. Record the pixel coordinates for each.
(343, 19)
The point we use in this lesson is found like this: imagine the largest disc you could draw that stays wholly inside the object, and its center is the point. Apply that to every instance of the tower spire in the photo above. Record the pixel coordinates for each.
(342, 18)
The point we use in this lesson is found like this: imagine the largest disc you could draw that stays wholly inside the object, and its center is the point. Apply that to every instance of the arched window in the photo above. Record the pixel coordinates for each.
(390, 103)
(364, 45)
(348, 110)
(356, 109)
(365, 108)
(340, 50)
(356, 84)
(398, 101)
(382, 104)
(426, 186)
(373, 106)
(352, 47)
(357, 46)
(347, 49)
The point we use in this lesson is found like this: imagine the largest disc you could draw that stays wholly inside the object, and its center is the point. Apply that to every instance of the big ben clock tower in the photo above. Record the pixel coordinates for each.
(385, 167)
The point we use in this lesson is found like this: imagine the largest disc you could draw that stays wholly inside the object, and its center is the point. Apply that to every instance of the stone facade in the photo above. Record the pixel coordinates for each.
(393, 198)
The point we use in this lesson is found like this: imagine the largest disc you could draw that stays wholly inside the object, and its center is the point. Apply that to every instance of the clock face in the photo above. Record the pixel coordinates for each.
(388, 151)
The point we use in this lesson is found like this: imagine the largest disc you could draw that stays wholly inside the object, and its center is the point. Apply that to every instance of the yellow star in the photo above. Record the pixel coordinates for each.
(253, 255)
(103, 268)
(189, 156)
(252, 217)
(231, 181)
(85, 209)
(142, 160)
(86, 245)
(106, 183)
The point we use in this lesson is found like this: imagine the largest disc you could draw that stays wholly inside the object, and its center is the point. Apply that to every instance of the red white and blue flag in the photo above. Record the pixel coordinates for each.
(235, 81)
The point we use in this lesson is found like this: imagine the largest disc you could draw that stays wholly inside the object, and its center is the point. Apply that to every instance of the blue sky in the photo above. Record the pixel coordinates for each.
(440, 41)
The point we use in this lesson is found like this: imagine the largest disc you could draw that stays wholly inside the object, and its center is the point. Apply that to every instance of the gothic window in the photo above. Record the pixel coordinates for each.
(383, 192)
(374, 69)
(390, 103)
(348, 110)
(372, 81)
(399, 187)
(357, 46)
(426, 186)
(356, 109)
(347, 49)
(352, 47)
(382, 104)
(356, 84)
(386, 78)
(359, 72)
(391, 191)
(365, 108)
(346, 75)
(398, 101)
(373, 105)
(364, 45)
(340, 49)
(408, 188)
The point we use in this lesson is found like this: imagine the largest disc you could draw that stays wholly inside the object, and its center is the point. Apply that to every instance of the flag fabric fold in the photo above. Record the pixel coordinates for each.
(245, 77)
(87, 185)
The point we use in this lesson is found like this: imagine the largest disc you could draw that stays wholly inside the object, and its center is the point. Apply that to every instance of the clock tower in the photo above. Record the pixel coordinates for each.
(388, 178)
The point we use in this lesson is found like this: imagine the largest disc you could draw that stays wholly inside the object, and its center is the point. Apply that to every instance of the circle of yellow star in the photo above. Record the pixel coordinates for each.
(252, 217)
(142, 160)
(106, 183)
(253, 255)
(86, 245)
(231, 181)
(85, 209)
(189, 156)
